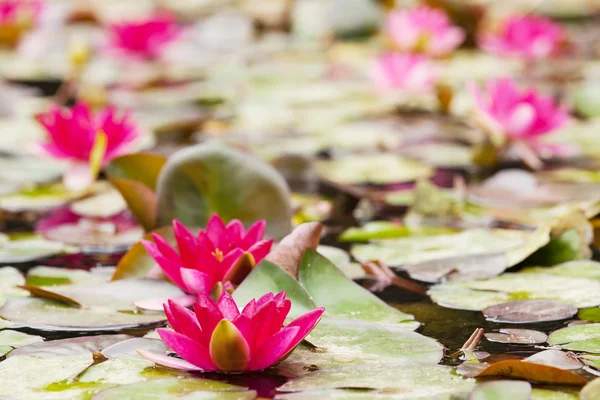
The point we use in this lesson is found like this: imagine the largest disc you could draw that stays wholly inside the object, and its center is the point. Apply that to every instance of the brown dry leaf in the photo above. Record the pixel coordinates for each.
(288, 253)
(46, 294)
(533, 372)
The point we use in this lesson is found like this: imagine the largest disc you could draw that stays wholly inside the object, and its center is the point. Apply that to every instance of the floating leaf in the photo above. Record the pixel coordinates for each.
(459, 268)
(10, 340)
(591, 391)
(70, 347)
(10, 278)
(410, 379)
(529, 311)
(103, 205)
(380, 168)
(288, 253)
(577, 338)
(172, 389)
(412, 250)
(28, 248)
(555, 358)
(343, 342)
(52, 276)
(212, 178)
(574, 269)
(388, 230)
(532, 372)
(268, 277)
(349, 300)
(141, 201)
(499, 390)
(478, 295)
(517, 336)
(589, 314)
(47, 315)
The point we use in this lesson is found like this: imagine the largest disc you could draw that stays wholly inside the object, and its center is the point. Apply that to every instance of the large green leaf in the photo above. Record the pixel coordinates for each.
(343, 298)
(141, 167)
(344, 342)
(408, 380)
(577, 338)
(480, 294)
(213, 178)
(268, 277)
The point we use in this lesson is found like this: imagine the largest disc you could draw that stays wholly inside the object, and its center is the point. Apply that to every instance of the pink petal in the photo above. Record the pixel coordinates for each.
(249, 309)
(188, 349)
(521, 120)
(183, 320)
(260, 250)
(216, 231)
(306, 323)
(195, 281)
(186, 243)
(167, 361)
(274, 349)
(254, 234)
(227, 262)
(235, 231)
(264, 299)
(208, 315)
(227, 306)
(165, 248)
(169, 267)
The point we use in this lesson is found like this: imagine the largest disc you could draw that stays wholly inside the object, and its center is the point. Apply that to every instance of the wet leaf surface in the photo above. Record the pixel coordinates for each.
(532, 372)
(517, 336)
(529, 311)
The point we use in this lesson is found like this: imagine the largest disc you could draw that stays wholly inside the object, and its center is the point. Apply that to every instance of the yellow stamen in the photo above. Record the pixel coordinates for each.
(218, 255)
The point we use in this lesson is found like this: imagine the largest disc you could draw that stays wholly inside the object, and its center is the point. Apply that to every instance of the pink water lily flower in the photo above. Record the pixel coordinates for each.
(213, 256)
(74, 135)
(144, 39)
(19, 12)
(409, 72)
(525, 36)
(423, 30)
(521, 116)
(218, 337)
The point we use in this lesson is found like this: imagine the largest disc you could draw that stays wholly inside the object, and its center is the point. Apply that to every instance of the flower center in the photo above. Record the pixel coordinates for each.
(218, 254)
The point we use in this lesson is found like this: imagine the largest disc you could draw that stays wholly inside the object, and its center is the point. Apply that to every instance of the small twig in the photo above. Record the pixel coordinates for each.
(386, 277)
(470, 344)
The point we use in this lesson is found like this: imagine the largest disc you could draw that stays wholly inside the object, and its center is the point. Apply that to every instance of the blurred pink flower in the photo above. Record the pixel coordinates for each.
(423, 30)
(520, 115)
(209, 258)
(17, 12)
(408, 72)
(72, 134)
(218, 337)
(529, 37)
(144, 39)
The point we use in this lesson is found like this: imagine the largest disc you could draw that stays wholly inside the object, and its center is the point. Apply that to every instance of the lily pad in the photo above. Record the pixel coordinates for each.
(349, 300)
(388, 230)
(212, 178)
(591, 391)
(539, 373)
(342, 343)
(529, 311)
(103, 205)
(575, 269)
(500, 390)
(412, 250)
(378, 168)
(577, 338)
(555, 358)
(10, 278)
(52, 276)
(28, 248)
(48, 315)
(173, 389)
(70, 347)
(461, 268)
(412, 380)
(479, 295)
(517, 336)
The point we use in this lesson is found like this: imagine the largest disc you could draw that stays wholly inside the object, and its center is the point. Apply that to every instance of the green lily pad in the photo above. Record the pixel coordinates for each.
(70, 347)
(577, 338)
(116, 371)
(545, 394)
(478, 295)
(10, 278)
(378, 168)
(500, 390)
(575, 269)
(10, 340)
(212, 178)
(53, 276)
(174, 389)
(343, 342)
(589, 314)
(268, 277)
(388, 230)
(27, 377)
(591, 391)
(39, 198)
(116, 295)
(411, 250)
(28, 248)
(349, 300)
(411, 380)
(48, 315)
(30, 170)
